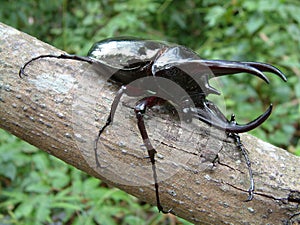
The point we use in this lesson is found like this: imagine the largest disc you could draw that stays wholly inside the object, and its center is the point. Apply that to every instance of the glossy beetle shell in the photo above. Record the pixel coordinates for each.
(125, 53)
(136, 58)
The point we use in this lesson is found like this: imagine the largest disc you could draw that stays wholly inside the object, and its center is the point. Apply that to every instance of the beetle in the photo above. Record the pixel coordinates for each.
(128, 60)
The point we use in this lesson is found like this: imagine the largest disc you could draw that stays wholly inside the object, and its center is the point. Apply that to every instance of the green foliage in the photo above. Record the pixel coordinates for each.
(36, 188)
(40, 189)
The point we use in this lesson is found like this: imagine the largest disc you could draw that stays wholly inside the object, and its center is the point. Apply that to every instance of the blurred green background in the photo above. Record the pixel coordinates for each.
(36, 188)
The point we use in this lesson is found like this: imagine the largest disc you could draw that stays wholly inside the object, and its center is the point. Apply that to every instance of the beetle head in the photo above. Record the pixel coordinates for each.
(194, 76)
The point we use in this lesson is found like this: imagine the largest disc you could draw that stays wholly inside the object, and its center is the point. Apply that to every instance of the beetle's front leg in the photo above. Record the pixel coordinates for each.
(140, 109)
(109, 120)
(242, 148)
(238, 143)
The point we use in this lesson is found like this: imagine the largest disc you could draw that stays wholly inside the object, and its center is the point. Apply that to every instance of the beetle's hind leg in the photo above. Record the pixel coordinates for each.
(140, 109)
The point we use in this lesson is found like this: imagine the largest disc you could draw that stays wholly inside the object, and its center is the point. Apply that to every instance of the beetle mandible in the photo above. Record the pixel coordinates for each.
(129, 59)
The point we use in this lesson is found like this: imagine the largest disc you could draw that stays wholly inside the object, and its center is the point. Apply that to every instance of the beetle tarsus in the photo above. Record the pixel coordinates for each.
(108, 122)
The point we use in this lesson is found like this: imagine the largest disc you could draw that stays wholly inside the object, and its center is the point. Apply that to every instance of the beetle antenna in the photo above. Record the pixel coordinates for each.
(62, 56)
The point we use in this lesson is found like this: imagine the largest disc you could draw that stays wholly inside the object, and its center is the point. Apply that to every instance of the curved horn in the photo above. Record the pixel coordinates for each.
(222, 67)
(264, 67)
(213, 118)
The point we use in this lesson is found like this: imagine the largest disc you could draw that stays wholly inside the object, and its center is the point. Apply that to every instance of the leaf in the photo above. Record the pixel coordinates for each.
(38, 188)
(254, 23)
(58, 179)
(65, 205)
(297, 89)
(43, 209)
(41, 161)
(25, 208)
(8, 170)
(214, 14)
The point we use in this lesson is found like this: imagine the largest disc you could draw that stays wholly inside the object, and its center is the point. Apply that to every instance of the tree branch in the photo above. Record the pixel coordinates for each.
(61, 104)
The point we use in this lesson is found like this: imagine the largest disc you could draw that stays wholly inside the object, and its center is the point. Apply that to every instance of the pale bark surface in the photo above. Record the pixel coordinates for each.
(61, 104)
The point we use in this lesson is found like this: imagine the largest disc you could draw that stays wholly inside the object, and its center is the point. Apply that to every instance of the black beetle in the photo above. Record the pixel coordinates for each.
(130, 59)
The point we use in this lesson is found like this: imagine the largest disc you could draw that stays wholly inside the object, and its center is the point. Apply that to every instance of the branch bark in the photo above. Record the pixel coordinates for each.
(61, 104)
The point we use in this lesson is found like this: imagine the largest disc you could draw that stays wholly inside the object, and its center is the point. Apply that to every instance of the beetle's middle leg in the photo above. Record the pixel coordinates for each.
(140, 109)
(125, 89)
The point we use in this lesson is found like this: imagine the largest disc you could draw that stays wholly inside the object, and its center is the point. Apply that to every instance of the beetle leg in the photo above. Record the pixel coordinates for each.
(140, 109)
(109, 120)
(62, 56)
(237, 140)
(242, 148)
